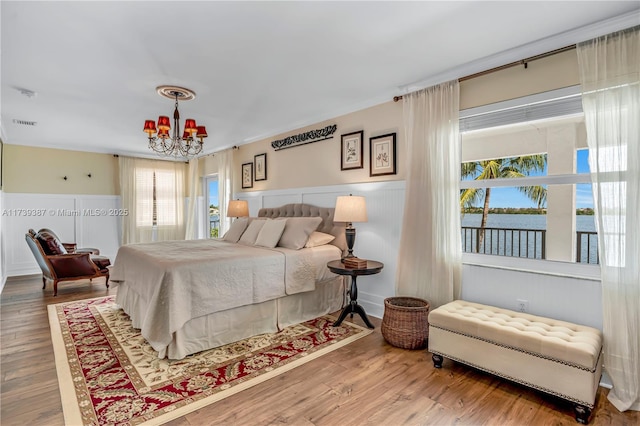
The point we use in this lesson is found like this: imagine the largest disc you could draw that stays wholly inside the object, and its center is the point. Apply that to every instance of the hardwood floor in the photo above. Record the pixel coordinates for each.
(366, 382)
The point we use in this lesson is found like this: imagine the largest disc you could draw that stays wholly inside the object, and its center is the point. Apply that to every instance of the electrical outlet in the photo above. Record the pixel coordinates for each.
(522, 305)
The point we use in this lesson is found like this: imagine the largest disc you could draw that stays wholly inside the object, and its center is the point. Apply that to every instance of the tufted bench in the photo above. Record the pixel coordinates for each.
(553, 356)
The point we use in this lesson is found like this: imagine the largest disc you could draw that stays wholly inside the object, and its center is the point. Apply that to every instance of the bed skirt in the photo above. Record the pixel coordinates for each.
(221, 328)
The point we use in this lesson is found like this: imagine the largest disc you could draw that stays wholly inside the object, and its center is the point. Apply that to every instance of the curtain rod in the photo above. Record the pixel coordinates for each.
(509, 65)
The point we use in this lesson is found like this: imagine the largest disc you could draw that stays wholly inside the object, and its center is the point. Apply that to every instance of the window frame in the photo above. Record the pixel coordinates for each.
(556, 103)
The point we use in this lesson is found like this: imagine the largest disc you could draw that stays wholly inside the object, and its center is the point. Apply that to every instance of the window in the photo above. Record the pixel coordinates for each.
(156, 197)
(525, 184)
(153, 191)
(145, 200)
(213, 205)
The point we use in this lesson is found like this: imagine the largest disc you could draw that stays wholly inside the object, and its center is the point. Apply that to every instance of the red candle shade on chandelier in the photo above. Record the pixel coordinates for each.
(191, 141)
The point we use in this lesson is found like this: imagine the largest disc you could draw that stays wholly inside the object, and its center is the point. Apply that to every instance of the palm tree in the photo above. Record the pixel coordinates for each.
(514, 167)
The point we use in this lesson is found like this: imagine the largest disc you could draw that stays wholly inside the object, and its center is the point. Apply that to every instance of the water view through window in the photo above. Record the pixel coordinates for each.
(539, 219)
(214, 212)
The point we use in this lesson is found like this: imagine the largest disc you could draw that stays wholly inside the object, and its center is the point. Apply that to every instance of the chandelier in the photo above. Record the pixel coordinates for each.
(184, 145)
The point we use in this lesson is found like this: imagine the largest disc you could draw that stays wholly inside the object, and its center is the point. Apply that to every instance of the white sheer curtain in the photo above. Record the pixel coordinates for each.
(137, 226)
(192, 206)
(610, 78)
(225, 186)
(430, 255)
(153, 193)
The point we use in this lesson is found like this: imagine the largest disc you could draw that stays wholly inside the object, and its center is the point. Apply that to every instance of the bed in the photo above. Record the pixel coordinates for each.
(189, 296)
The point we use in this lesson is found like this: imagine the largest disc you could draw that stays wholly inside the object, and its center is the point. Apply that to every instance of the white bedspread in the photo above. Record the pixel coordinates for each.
(181, 280)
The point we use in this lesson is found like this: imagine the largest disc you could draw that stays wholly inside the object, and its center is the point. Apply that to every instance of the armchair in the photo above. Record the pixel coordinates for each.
(70, 247)
(59, 265)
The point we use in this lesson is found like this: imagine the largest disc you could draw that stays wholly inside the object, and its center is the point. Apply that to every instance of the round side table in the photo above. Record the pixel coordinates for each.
(337, 267)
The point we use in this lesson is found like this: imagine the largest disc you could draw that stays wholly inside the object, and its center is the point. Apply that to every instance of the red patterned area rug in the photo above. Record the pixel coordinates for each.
(108, 374)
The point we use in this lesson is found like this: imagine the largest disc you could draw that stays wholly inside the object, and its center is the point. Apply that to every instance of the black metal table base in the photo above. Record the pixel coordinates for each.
(353, 308)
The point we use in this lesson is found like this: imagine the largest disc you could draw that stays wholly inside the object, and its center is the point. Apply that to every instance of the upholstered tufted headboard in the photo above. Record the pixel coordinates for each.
(307, 210)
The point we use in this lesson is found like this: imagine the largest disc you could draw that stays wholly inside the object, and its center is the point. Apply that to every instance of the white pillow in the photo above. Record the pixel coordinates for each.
(237, 228)
(297, 231)
(319, 239)
(270, 233)
(251, 233)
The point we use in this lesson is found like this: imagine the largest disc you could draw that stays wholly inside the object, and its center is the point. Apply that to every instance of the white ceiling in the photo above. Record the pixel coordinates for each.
(258, 68)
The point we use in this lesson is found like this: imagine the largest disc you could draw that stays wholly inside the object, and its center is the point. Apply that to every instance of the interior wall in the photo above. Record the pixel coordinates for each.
(319, 163)
(3, 270)
(88, 220)
(542, 75)
(42, 170)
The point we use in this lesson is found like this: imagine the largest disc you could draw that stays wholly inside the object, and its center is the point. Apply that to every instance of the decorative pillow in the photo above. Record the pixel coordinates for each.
(270, 233)
(50, 244)
(319, 239)
(297, 231)
(250, 235)
(237, 228)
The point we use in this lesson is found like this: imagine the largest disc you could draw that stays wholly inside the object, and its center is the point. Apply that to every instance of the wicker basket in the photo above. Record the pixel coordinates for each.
(405, 323)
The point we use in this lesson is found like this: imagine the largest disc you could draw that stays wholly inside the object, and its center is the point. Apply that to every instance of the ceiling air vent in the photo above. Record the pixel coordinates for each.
(24, 122)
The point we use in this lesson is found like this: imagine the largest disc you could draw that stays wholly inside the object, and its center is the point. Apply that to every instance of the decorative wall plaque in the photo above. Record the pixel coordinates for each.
(305, 138)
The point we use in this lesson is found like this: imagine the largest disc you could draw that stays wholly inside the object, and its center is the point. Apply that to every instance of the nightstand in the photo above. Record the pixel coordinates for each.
(337, 267)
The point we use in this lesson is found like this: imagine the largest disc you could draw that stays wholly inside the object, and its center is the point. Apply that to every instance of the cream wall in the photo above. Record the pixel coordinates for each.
(542, 75)
(41, 171)
(318, 163)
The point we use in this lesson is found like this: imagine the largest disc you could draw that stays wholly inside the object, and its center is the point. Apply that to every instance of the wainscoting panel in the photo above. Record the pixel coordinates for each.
(564, 298)
(100, 224)
(277, 200)
(3, 268)
(255, 204)
(323, 199)
(66, 216)
(379, 239)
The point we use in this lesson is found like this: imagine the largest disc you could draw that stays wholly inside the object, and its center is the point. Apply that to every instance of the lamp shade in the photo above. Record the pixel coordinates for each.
(238, 208)
(163, 123)
(150, 127)
(350, 208)
(202, 132)
(190, 126)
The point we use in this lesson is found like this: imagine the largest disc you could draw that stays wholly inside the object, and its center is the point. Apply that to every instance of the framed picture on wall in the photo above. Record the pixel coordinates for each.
(351, 151)
(382, 153)
(247, 175)
(260, 163)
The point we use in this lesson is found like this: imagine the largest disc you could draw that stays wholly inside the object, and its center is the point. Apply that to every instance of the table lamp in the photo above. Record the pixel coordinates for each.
(349, 209)
(238, 208)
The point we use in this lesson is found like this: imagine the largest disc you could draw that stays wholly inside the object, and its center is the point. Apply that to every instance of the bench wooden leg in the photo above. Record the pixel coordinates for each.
(582, 413)
(437, 360)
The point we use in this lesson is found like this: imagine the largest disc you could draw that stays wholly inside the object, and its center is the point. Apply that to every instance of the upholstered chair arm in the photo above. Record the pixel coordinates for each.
(70, 247)
(73, 265)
